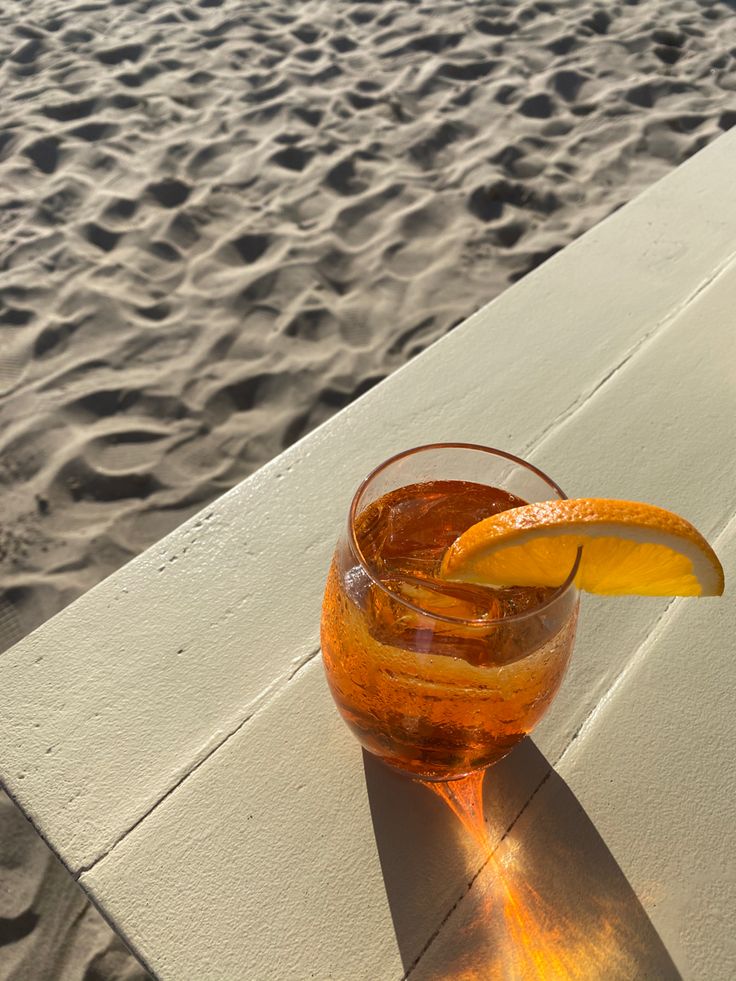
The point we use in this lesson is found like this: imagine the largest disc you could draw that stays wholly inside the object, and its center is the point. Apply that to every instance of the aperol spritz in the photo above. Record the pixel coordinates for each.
(437, 678)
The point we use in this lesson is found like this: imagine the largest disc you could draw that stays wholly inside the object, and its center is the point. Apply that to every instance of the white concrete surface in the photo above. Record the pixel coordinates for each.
(171, 735)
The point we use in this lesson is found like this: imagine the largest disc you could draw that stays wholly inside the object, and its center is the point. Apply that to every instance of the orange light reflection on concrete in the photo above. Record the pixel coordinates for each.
(509, 931)
(464, 797)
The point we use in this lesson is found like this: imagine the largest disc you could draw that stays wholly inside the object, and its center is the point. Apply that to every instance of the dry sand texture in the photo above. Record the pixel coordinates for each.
(220, 221)
(48, 929)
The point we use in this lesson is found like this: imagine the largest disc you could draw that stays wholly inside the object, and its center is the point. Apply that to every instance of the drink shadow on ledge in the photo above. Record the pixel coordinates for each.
(543, 899)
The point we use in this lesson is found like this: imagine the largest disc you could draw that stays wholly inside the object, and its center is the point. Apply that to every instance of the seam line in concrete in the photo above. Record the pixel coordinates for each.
(269, 695)
(659, 328)
(471, 881)
(637, 657)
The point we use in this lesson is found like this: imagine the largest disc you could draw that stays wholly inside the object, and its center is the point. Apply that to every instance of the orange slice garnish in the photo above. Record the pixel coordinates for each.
(627, 547)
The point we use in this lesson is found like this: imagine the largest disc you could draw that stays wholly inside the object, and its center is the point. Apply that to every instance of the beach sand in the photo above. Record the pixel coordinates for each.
(222, 221)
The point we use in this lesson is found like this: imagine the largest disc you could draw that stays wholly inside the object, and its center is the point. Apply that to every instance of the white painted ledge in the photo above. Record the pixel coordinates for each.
(170, 732)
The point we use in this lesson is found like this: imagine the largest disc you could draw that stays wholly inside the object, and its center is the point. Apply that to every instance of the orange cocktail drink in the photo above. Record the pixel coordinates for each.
(440, 678)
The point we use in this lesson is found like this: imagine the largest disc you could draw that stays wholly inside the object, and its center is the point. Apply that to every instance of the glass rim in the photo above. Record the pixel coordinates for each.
(559, 591)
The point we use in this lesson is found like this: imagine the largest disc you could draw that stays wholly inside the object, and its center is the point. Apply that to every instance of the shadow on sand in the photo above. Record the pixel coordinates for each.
(544, 900)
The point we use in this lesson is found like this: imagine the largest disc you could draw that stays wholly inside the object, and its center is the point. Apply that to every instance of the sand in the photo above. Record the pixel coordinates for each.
(222, 221)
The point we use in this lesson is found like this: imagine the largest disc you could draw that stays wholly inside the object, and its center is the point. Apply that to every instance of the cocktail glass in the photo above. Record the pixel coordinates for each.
(440, 680)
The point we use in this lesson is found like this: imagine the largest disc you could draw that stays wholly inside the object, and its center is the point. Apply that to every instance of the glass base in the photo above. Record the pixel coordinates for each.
(430, 778)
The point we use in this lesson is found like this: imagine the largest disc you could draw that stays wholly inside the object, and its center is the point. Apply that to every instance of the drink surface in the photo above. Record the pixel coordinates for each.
(437, 678)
